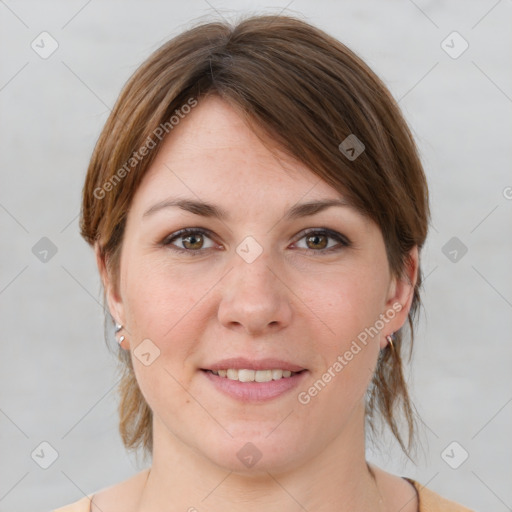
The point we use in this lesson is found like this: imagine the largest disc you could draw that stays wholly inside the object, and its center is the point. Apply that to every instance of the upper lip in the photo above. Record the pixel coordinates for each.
(240, 363)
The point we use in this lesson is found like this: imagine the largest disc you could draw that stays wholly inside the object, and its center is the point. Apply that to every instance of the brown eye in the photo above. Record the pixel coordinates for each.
(322, 241)
(193, 241)
(189, 240)
(317, 241)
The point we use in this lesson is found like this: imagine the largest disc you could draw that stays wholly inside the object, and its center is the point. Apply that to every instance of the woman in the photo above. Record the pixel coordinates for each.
(257, 207)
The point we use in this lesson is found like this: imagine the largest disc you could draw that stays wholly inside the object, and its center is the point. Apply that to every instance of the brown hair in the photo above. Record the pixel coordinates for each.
(310, 92)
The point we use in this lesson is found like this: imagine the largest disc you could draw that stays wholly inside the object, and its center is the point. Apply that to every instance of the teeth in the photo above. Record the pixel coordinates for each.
(232, 374)
(244, 375)
(277, 374)
(263, 376)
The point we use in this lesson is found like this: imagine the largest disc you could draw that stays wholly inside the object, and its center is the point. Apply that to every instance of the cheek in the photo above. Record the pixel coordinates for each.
(162, 306)
(348, 303)
(349, 307)
(168, 306)
(159, 296)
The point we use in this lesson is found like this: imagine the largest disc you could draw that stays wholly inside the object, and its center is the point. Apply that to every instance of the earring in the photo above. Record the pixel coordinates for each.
(121, 338)
(389, 339)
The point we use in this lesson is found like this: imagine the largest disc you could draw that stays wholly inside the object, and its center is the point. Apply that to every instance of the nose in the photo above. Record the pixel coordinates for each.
(254, 299)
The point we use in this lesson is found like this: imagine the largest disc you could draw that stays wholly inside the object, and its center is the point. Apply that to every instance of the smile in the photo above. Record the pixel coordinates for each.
(248, 385)
(245, 375)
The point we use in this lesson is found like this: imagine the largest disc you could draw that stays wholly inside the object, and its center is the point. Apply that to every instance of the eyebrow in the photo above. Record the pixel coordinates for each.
(206, 209)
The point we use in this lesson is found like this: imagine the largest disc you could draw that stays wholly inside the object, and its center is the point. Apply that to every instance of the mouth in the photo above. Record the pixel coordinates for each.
(249, 375)
(250, 380)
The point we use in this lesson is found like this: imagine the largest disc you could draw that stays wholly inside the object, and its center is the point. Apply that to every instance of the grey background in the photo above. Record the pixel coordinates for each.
(57, 376)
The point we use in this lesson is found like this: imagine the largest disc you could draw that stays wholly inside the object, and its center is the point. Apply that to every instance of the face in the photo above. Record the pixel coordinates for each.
(257, 283)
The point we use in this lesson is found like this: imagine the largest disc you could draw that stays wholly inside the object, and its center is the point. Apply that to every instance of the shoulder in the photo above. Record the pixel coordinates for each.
(82, 505)
(422, 498)
(124, 493)
(432, 502)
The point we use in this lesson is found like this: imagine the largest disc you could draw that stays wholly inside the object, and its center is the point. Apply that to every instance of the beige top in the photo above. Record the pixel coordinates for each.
(429, 501)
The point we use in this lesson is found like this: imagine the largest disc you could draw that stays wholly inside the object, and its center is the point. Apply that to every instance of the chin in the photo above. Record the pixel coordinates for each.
(256, 453)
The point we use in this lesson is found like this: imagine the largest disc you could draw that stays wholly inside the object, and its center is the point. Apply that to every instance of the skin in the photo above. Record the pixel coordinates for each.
(295, 302)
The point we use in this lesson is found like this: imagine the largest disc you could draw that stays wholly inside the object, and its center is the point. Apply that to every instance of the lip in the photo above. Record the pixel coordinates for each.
(255, 391)
(240, 363)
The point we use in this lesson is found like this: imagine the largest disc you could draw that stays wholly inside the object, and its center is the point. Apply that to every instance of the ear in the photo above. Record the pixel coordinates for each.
(114, 302)
(400, 295)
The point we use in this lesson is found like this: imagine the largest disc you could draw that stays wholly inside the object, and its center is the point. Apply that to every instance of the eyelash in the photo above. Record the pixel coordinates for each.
(342, 240)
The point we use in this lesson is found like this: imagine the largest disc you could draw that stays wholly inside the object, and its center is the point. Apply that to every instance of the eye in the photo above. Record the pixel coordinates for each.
(323, 241)
(196, 240)
(189, 240)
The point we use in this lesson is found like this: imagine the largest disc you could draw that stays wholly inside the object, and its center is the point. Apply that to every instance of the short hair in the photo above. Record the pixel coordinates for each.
(309, 93)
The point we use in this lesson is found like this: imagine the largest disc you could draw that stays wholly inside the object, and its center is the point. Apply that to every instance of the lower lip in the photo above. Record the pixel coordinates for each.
(255, 391)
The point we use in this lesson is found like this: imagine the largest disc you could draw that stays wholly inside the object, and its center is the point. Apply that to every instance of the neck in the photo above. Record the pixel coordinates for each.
(337, 478)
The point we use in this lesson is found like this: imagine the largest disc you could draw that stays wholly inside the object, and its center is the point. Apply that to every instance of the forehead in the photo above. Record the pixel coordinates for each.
(213, 152)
